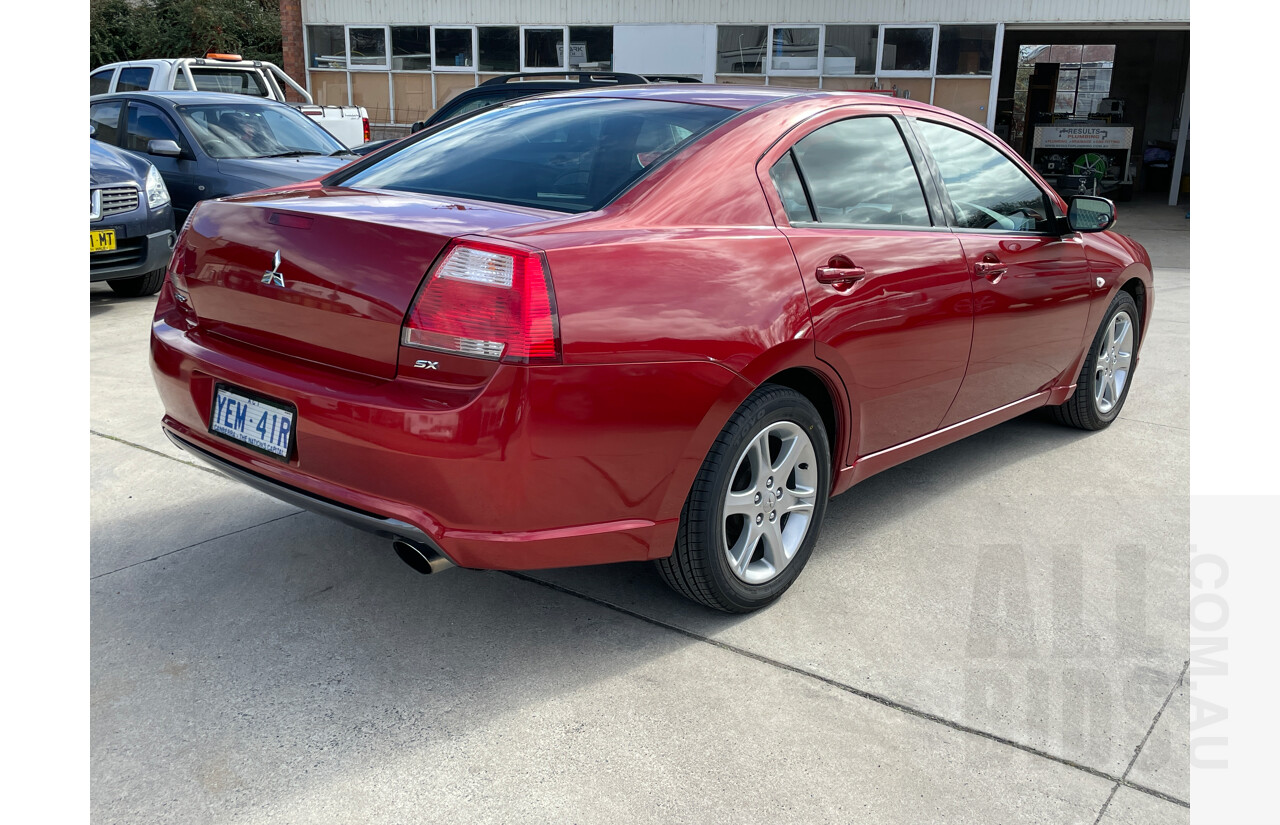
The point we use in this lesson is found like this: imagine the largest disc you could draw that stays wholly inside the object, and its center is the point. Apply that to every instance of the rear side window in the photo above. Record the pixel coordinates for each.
(228, 81)
(570, 155)
(100, 82)
(787, 180)
(988, 191)
(859, 172)
(105, 119)
(134, 79)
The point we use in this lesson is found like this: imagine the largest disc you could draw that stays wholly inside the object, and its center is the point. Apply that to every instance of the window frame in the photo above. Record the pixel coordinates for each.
(933, 52)
(564, 33)
(771, 71)
(1057, 211)
(436, 66)
(352, 66)
(939, 219)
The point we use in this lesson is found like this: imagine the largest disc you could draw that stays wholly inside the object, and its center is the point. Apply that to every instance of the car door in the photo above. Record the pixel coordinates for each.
(1031, 281)
(145, 123)
(886, 279)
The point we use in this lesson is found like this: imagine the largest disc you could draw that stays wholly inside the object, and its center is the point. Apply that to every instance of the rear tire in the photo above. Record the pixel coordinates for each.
(148, 283)
(752, 517)
(1107, 373)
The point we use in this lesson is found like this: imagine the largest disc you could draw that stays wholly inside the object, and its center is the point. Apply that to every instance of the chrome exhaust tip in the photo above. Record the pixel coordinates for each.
(420, 557)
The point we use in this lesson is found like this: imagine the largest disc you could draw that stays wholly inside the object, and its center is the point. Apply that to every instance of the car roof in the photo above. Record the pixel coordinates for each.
(733, 96)
(183, 98)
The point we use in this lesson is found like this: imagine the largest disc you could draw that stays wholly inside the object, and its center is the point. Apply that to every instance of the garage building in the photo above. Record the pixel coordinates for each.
(1095, 90)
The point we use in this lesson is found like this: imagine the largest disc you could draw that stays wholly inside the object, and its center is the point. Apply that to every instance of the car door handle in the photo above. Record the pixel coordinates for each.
(840, 272)
(990, 268)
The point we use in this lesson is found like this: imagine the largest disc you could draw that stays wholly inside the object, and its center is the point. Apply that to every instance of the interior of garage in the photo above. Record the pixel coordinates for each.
(1100, 77)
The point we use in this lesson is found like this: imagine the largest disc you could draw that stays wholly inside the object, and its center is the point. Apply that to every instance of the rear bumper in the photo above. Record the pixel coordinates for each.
(538, 467)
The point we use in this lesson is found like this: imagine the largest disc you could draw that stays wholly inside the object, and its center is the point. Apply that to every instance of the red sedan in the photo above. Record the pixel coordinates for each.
(640, 323)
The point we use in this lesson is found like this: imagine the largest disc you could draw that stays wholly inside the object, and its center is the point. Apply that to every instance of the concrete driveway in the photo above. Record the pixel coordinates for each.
(993, 633)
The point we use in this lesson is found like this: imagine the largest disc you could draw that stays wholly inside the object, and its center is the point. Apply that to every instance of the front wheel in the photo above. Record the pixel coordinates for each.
(752, 518)
(1107, 373)
(148, 283)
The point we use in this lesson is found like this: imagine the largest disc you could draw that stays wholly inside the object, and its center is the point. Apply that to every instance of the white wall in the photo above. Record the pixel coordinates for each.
(664, 49)
(615, 12)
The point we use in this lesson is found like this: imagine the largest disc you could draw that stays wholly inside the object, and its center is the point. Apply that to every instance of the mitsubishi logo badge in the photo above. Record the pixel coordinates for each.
(273, 276)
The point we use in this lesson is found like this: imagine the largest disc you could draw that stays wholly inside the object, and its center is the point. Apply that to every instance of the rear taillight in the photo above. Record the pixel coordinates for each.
(487, 301)
(366, 128)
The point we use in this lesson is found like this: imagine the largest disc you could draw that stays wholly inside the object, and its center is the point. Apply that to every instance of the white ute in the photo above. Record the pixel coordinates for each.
(230, 74)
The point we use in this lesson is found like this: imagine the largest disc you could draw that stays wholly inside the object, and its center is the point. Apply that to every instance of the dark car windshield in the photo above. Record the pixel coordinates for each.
(230, 130)
(571, 155)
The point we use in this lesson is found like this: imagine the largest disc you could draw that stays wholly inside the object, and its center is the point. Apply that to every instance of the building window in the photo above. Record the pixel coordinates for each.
(966, 50)
(410, 48)
(326, 47)
(1084, 77)
(795, 49)
(499, 49)
(453, 49)
(591, 48)
(740, 49)
(850, 50)
(543, 48)
(907, 51)
(367, 47)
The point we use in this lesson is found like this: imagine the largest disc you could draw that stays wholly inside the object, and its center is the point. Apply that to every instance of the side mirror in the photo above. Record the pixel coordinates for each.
(166, 148)
(1087, 213)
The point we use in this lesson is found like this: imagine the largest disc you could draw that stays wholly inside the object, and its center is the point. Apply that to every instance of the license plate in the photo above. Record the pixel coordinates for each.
(261, 424)
(102, 240)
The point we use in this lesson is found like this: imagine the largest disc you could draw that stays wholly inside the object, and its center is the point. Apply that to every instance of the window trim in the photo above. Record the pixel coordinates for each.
(769, 69)
(435, 50)
(352, 66)
(933, 54)
(1061, 229)
(564, 33)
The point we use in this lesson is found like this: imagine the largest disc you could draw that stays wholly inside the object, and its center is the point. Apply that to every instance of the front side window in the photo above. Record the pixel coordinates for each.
(569, 155)
(256, 132)
(859, 172)
(134, 79)
(145, 124)
(988, 191)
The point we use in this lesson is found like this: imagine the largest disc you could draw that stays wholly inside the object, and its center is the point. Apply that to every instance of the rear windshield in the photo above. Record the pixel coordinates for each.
(228, 81)
(570, 155)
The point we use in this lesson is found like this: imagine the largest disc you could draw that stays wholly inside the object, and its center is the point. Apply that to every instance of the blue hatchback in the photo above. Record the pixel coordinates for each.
(208, 145)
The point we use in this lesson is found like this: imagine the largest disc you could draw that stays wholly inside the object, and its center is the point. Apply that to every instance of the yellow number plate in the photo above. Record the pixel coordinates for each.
(104, 240)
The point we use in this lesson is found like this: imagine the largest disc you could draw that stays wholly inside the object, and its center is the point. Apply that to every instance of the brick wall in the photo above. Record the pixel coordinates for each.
(295, 64)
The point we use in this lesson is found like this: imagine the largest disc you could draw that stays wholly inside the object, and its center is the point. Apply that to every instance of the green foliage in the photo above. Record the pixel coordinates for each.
(139, 29)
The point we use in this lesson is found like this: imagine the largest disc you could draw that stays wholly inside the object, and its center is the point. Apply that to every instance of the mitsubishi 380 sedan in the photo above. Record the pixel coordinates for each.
(640, 323)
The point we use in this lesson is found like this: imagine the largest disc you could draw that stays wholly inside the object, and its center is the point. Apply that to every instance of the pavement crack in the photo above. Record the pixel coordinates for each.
(1124, 778)
(153, 451)
(198, 543)
(874, 697)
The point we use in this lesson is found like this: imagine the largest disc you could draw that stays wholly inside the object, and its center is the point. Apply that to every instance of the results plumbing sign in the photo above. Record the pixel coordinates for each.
(1083, 137)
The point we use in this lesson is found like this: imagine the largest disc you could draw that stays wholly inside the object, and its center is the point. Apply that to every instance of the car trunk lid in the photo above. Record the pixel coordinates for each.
(326, 275)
